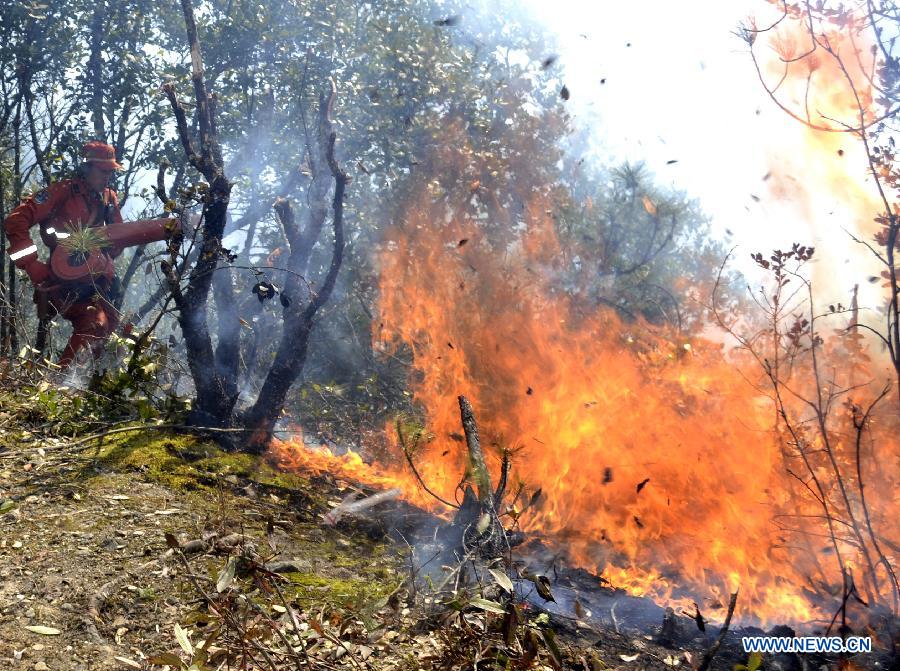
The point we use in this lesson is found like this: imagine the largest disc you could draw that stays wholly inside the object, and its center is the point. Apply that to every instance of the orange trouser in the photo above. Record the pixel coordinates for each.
(93, 320)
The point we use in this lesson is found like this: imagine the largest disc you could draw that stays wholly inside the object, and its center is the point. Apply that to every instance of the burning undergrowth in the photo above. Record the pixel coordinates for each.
(665, 463)
(658, 466)
(651, 459)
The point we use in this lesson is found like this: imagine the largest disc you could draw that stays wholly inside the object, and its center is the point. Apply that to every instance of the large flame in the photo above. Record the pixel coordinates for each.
(662, 464)
(594, 410)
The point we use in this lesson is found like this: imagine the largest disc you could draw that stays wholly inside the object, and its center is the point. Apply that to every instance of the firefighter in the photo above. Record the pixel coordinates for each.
(83, 201)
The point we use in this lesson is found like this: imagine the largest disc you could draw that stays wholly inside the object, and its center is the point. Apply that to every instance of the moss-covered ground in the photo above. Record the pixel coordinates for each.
(74, 520)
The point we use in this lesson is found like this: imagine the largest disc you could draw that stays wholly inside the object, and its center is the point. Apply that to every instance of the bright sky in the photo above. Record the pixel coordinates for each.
(680, 85)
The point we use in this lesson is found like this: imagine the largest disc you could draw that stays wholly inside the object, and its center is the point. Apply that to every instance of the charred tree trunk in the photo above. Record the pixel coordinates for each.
(7, 115)
(480, 473)
(11, 340)
(11, 343)
(3, 255)
(215, 369)
(215, 394)
(476, 529)
(229, 334)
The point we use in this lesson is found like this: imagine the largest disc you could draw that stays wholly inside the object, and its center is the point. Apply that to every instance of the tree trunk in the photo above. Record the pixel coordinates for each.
(476, 530)
(11, 343)
(95, 70)
(229, 334)
(215, 395)
(12, 337)
(480, 473)
(215, 399)
(215, 371)
(3, 255)
(291, 356)
(260, 419)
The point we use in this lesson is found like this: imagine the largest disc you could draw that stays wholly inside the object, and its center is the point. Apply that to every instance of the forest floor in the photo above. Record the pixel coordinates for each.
(153, 550)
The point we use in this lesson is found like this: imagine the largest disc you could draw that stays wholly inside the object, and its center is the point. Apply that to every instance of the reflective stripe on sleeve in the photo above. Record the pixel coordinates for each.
(22, 253)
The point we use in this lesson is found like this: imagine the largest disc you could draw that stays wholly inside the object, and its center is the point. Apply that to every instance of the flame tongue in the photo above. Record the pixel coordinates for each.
(652, 457)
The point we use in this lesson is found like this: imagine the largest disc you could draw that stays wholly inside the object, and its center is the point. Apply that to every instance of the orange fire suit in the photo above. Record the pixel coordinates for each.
(87, 306)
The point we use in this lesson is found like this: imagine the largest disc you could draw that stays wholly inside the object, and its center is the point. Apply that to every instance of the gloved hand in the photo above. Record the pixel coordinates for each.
(37, 271)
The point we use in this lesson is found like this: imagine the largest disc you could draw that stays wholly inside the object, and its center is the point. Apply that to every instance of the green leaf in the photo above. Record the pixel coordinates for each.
(489, 606)
(183, 640)
(7, 505)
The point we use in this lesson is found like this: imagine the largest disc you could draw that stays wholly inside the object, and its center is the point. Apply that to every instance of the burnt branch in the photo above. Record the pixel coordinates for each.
(181, 123)
(652, 249)
(337, 256)
(407, 452)
(476, 457)
(505, 467)
(288, 221)
(861, 420)
(324, 171)
(708, 656)
(160, 189)
(208, 141)
(749, 34)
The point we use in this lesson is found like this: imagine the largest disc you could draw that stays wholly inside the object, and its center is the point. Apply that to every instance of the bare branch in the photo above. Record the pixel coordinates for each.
(181, 122)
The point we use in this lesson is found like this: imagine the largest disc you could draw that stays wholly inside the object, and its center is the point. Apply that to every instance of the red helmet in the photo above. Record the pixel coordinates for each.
(101, 154)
